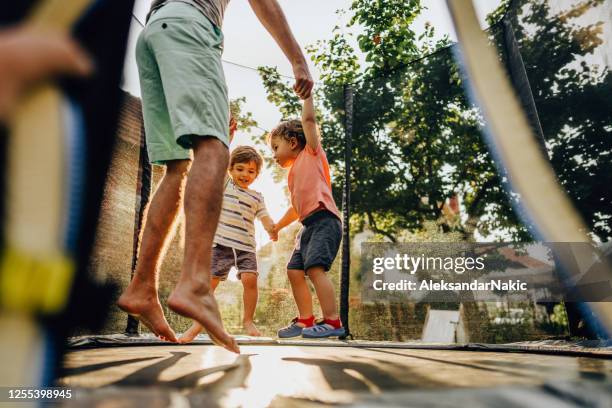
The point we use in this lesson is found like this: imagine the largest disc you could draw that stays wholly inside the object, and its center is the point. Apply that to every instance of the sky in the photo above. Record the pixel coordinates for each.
(248, 44)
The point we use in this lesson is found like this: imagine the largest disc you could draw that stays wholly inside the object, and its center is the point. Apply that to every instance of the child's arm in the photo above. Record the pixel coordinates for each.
(266, 221)
(287, 219)
(233, 126)
(309, 124)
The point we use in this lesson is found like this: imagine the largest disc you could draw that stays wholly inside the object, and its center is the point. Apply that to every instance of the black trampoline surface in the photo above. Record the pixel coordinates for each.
(301, 373)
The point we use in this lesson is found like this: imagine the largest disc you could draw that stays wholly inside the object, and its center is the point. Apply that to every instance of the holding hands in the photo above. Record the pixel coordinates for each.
(303, 81)
(233, 126)
(273, 232)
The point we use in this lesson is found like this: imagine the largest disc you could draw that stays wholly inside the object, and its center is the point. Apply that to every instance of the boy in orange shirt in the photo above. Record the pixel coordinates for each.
(296, 145)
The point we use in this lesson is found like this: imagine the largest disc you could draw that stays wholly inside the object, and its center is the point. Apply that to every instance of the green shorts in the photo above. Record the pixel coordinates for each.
(182, 83)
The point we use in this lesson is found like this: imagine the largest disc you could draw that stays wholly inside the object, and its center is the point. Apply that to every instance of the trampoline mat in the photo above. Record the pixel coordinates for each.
(305, 375)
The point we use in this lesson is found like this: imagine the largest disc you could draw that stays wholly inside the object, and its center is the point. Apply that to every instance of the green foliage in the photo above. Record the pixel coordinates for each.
(279, 93)
(417, 138)
(337, 59)
(245, 120)
(388, 39)
(573, 96)
(559, 316)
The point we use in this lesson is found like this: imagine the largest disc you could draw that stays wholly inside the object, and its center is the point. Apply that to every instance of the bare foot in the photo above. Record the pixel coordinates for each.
(251, 329)
(144, 305)
(203, 309)
(191, 333)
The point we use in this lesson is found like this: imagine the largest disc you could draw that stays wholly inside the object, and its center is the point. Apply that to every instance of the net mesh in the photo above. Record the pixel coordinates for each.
(421, 172)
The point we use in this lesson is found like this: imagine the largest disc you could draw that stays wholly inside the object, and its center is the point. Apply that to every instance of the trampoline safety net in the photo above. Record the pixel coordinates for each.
(419, 167)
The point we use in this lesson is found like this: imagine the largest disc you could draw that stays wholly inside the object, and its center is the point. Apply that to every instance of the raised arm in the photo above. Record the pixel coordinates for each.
(273, 19)
(309, 124)
(233, 126)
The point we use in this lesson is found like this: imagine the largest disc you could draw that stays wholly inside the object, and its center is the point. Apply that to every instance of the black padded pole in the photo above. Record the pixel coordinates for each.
(520, 81)
(143, 193)
(346, 204)
(519, 78)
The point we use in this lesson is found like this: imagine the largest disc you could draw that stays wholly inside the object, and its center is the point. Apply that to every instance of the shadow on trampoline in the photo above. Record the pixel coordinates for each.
(454, 363)
(150, 374)
(101, 366)
(365, 376)
(592, 369)
(589, 369)
(234, 374)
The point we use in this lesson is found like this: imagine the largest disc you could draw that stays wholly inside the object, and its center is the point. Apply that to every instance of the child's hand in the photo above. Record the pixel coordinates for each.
(303, 81)
(233, 126)
(273, 233)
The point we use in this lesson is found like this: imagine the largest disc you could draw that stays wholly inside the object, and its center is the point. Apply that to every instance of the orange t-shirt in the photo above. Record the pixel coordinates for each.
(309, 183)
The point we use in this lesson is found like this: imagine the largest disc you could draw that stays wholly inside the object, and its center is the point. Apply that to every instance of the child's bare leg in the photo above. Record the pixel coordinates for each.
(325, 292)
(196, 328)
(301, 293)
(249, 297)
(192, 297)
(140, 297)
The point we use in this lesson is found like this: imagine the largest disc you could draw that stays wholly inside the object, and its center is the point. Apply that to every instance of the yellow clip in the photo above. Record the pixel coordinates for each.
(32, 284)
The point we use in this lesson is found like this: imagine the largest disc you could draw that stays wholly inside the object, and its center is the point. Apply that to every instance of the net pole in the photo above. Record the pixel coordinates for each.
(520, 81)
(519, 78)
(346, 202)
(512, 140)
(143, 193)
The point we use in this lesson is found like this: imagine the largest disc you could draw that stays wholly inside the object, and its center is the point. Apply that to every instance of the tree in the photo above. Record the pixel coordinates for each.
(418, 139)
(573, 95)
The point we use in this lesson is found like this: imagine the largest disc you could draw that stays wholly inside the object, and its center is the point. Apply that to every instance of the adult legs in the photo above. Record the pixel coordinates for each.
(193, 297)
(140, 298)
(196, 328)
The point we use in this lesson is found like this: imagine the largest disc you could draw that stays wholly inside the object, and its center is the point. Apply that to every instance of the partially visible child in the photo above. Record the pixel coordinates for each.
(297, 145)
(234, 242)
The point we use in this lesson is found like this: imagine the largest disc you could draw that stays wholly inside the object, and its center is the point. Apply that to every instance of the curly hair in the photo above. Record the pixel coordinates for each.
(245, 154)
(288, 129)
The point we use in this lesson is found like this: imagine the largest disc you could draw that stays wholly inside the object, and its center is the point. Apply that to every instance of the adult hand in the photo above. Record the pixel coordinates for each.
(29, 55)
(303, 80)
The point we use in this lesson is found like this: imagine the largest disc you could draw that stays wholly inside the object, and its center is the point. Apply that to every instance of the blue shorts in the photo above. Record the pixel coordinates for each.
(318, 242)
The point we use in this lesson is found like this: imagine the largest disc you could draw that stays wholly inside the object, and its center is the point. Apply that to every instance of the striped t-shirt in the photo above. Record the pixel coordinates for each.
(236, 227)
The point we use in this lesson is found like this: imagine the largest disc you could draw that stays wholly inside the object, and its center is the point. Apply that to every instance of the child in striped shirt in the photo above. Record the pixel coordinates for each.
(234, 243)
